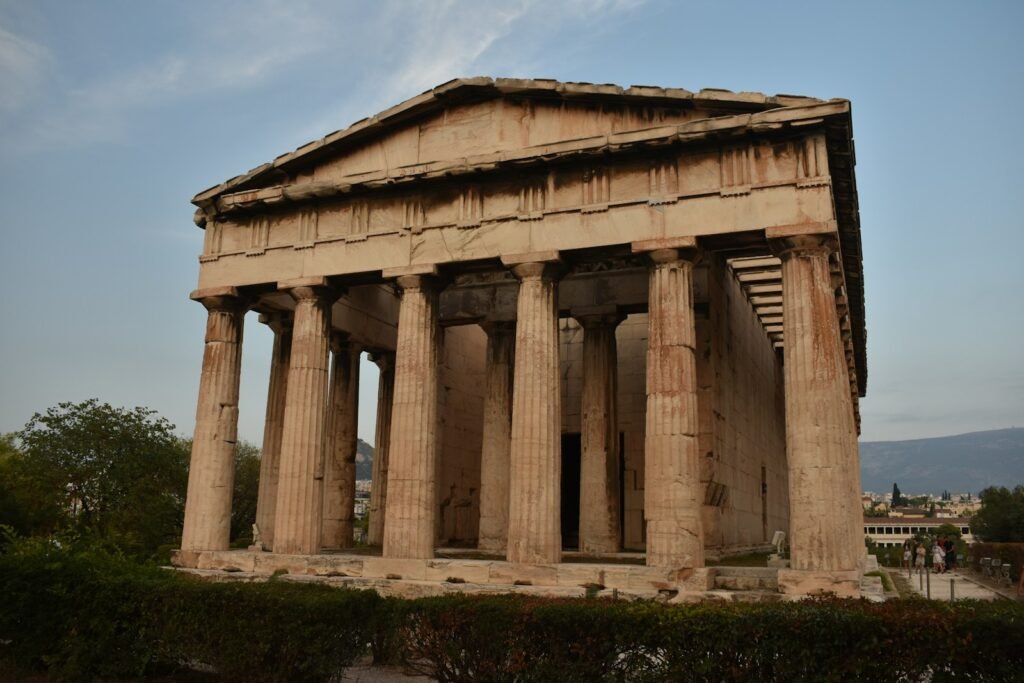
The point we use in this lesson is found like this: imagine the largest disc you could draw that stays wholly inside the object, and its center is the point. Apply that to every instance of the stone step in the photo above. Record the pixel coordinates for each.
(746, 583)
(746, 578)
(742, 596)
(764, 572)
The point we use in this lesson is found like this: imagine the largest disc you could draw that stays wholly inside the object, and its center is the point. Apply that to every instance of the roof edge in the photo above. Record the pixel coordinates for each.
(483, 88)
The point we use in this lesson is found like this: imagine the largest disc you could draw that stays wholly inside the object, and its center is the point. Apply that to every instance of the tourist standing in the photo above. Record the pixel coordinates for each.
(938, 558)
(907, 552)
(950, 554)
(919, 562)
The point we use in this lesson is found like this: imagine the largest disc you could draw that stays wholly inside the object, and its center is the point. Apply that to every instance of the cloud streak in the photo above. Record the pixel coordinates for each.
(23, 65)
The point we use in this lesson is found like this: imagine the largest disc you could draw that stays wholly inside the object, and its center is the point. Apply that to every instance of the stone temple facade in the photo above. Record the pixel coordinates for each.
(607, 321)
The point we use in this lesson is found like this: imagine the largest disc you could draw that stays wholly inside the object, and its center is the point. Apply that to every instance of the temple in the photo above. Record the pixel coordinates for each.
(610, 323)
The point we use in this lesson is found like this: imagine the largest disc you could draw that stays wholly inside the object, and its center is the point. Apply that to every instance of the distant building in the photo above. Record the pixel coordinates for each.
(907, 512)
(892, 532)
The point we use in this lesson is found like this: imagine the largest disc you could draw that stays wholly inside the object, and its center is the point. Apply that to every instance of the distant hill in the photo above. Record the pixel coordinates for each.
(364, 460)
(959, 464)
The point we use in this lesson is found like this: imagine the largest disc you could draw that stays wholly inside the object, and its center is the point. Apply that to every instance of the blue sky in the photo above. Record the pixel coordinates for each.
(114, 113)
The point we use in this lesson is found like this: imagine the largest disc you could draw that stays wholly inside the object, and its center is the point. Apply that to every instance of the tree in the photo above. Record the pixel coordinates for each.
(1001, 517)
(246, 491)
(897, 497)
(115, 474)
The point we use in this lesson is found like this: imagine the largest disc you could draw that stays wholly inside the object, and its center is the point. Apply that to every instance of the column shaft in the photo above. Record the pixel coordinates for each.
(535, 470)
(212, 471)
(411, 512)
(672, 491)
(825, 513)
(381, 447)
(270, 457)
(494, 453)
(599, 464)
(340, 449)
(300, 485)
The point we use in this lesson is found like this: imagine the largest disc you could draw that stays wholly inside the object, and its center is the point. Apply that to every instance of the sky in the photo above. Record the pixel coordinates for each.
(113, 114)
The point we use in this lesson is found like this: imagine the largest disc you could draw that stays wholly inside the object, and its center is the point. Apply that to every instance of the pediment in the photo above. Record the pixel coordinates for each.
(481, 116)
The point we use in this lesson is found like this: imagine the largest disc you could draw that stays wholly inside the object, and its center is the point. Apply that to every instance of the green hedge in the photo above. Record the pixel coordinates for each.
(87, 615)
(82, 616)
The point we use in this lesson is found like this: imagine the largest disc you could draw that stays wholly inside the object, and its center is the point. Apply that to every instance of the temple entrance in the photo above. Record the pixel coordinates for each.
(571, 452)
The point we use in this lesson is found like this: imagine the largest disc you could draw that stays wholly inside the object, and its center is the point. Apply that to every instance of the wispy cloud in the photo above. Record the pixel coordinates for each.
(402, 47)
(434, 42)
(23, 65)
(245, 48)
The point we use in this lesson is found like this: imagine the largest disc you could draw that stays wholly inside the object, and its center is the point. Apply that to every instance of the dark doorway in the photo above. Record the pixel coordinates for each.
(571, 451)
(764, 502)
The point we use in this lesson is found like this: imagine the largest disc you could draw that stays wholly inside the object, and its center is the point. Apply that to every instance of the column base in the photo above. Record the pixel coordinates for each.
(805, 583)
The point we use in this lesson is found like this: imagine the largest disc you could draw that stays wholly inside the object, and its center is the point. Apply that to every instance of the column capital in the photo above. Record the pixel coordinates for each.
(278, 321)
(306, 288)
(341, 340)
(597, 316)
(385, 360)
(499, 328)
(419, 282)
(221, 299)
(805, 239)
(667, 249)
(547, 271)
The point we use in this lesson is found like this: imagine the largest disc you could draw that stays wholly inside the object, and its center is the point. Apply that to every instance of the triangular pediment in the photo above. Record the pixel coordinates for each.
(479, 116)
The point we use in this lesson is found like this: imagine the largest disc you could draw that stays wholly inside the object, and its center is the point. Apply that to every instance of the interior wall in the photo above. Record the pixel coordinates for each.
(460, 404)
(744, 430)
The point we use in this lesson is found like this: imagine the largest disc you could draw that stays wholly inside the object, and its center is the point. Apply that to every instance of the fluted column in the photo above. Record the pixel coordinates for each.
(270, 456)
(212, 471)
(535, 469)
(821, 451)
(300, 484)
(599, 462)
(340, 453)
(411, 512)
(494, 452)
(672, 490)
(385, 360)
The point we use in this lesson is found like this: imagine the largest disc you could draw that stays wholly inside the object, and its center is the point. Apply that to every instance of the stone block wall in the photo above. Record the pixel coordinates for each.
(461, 414)
(742, 427)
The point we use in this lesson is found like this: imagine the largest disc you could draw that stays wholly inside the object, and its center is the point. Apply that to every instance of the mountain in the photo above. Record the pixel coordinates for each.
(364, 460)
(959, 464)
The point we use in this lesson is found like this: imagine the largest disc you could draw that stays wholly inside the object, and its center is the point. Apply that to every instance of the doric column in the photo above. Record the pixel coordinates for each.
(494, 452)
(535, 467)
(340, 449)
(599, 463)
(300, 493)
(385, 360)
(672, 490)
(212, 471)
(825, 511)
(270, 456)
(411, 512)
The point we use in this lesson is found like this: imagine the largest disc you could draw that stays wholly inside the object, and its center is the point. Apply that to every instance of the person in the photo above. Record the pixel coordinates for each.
(906, 554)
(938, 558)
(919, 562)
(950, 554)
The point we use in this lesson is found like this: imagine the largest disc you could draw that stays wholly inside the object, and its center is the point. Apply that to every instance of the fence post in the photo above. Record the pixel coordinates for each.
(928, 583)
(952, 590)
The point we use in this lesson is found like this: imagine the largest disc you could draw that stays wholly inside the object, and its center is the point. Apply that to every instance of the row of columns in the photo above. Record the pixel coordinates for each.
(309, 442)
(307, 471)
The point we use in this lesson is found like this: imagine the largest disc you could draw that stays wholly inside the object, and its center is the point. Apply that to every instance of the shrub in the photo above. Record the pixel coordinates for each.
(88, 614)
(81, 615)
